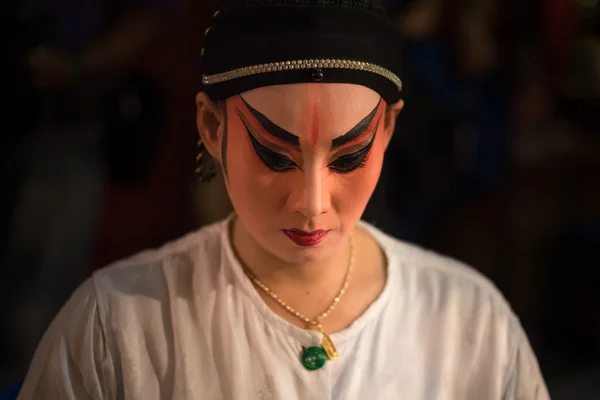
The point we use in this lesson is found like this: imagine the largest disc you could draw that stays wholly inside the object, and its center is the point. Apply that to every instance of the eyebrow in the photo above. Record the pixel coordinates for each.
(254, 139)
(355, 132)
(367, 143)
(272, 128)
(294, 140)
(258, 146)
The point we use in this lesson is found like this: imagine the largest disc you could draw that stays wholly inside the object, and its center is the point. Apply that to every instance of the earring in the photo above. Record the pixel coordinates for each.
(205, 166)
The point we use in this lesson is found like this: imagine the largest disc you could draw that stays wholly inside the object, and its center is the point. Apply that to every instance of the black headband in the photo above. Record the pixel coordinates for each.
(255, 43)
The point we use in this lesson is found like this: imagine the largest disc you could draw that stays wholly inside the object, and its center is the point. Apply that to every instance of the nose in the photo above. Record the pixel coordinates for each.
(311, 196)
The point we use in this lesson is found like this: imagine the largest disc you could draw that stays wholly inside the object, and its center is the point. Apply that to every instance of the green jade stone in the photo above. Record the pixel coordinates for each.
(313, 358)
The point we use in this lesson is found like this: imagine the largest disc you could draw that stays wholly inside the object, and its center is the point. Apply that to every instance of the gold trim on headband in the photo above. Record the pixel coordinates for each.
(302, 64)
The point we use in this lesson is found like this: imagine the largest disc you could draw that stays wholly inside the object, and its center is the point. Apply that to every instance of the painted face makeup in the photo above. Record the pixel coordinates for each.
(361, 135)
(356, 144)
(302, 162)
(269, 153)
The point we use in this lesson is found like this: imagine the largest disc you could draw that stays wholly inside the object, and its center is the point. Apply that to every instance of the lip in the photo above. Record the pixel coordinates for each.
(306, 239)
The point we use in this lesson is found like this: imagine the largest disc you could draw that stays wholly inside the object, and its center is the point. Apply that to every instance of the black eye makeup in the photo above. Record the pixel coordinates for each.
(352, 161)
(272, 160)
(280, 163)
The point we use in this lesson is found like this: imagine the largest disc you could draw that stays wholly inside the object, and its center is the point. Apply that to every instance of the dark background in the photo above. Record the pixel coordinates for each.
(496, 158)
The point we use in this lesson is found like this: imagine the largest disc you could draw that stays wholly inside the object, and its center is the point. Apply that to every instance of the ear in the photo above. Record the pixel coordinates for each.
(210, 122)
(389, 123)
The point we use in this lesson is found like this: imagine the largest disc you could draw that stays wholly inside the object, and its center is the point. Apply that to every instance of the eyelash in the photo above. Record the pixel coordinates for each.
(277, 162)
(280, 163)
(274, 161)
(350, 162)
(343, 164)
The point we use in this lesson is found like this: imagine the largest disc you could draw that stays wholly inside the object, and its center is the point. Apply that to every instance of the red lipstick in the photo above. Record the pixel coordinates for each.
(306, 239)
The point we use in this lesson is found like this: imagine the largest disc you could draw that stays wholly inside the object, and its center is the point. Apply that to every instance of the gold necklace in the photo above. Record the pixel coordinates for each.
(313, 357)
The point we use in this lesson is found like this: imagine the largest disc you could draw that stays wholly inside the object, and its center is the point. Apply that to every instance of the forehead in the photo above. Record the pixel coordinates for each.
(335, 107)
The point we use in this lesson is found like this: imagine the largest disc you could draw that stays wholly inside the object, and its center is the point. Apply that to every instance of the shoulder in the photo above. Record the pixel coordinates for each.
(446, 295)
(133, 292)
(438, 276)
(73, 358)
(172, 264)
(119, 318)
(441, 294)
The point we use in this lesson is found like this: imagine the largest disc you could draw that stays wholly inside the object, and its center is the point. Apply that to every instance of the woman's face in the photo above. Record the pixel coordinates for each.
(301, 162)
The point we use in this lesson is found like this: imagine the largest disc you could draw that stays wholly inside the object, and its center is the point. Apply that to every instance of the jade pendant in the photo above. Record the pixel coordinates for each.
(313, 358)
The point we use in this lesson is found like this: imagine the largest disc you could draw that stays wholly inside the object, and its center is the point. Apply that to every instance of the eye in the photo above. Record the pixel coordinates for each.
(275, 161)
(350, 162)
(272, 160)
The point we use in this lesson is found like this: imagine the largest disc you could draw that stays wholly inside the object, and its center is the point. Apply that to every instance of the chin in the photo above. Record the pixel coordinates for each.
(292, 253)
(303, 257)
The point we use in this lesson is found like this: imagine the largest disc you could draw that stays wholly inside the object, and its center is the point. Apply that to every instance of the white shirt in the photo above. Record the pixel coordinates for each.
(184, 322)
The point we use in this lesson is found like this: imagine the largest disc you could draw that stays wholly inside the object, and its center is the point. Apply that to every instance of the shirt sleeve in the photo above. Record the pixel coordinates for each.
(72, 360)
(525, 381)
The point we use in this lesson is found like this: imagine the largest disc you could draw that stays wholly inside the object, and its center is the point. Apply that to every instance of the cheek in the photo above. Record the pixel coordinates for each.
(250, 184)
(354, 190)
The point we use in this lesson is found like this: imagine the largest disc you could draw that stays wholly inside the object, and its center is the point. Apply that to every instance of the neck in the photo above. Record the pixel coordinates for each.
(315, 276)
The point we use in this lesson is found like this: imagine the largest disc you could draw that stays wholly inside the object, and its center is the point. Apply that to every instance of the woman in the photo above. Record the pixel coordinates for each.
(291, 297)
